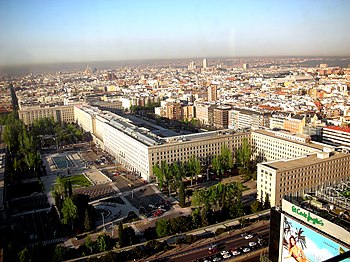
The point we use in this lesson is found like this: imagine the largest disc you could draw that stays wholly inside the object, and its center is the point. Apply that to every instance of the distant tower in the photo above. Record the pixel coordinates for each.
(192, 66)
(245, 66)
(212, 93)
(205, 63)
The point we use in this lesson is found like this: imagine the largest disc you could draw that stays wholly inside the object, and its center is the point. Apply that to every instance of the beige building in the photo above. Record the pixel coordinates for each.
(276, 145)
(301, 175)
(212, 93)
(58, 113)
(188, 112)
(202, 113)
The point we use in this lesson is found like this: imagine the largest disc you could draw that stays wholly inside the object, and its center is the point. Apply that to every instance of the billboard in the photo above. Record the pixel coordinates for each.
(300, 243)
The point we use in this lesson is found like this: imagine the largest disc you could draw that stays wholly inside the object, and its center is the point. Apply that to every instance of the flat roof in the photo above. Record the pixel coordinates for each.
(308, 160)
(272, 134)
(338, 128)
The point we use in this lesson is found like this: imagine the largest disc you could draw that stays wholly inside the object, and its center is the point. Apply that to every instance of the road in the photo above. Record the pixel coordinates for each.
(225, 242)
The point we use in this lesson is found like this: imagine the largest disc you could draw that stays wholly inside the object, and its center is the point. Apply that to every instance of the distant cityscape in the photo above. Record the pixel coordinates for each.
(113, 155)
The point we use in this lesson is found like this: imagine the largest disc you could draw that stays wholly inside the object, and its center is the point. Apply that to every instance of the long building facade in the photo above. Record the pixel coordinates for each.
(138, 149)
(295, 177)
(58, 113)
(275, 145)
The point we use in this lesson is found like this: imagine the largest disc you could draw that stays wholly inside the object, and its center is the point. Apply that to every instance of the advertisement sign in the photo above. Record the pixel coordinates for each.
(300, 243)
(316, 221)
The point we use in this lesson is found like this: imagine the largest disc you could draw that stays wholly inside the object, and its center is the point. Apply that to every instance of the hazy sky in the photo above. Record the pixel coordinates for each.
(71, 30)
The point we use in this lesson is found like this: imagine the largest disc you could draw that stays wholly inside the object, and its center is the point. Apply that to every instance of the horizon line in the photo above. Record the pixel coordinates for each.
(184, 58)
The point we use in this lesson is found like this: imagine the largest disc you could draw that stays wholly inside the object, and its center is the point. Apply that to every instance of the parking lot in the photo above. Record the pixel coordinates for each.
(146, 200)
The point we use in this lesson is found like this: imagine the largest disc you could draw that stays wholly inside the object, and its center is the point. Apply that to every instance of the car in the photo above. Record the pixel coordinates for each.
(213, 249)
(252, 244)
(246, 249)
(249, 236)
(243, 234)
(226, 256)
(215, 259)
(236, 252)
(223, 252)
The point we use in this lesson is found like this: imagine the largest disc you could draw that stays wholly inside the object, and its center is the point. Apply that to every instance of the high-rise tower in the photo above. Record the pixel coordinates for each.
(212, 93)
(205, 64)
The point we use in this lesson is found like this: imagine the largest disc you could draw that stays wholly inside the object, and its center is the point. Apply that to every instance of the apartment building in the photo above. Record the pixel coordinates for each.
(297, 176)
(294, 124)
(276, 145)
(336, 135)
(58, 113)
(188, 112)
(173, 111)
(202, 113)
(221, 116)
(242, 118)
(212, 93)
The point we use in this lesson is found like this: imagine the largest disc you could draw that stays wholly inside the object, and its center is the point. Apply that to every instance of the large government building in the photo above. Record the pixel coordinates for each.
(132, 143)
(295, 177)
(291, 164)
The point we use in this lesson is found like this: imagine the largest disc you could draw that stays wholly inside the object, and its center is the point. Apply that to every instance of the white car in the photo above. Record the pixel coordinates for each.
(236, 252)
(226, 256)
(215, 259)
(248, 236)
(223, 252)
(252, 244)
(246, 250)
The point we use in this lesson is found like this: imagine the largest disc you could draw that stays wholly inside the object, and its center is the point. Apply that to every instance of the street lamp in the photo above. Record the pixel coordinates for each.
(103, 221)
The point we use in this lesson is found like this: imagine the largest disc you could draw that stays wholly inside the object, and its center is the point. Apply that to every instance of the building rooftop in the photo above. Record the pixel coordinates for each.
(304, 161)
(276, 135)
(339, 128)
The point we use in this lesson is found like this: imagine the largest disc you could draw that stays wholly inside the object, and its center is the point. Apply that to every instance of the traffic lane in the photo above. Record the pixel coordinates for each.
(228, 243)
(260, 228)
(203, 253)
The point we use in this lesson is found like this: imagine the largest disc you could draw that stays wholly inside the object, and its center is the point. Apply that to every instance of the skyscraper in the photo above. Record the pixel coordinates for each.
(205, 63)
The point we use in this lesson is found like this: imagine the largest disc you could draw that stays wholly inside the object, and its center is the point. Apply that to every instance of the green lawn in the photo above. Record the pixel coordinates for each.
(77, 181)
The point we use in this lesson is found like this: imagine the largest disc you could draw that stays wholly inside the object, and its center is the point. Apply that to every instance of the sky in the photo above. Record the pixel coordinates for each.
(47, 31)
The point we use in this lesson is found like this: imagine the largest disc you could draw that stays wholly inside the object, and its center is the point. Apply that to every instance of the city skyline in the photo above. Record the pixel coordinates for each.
(34, 32)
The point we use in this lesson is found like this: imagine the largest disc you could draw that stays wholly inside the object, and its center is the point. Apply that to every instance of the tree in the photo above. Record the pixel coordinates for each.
(89, 244)
(159, 174)
(217, 165)
(121, 235)
(103, 243)
(88, 225)
(59, 253)
(194, 167)
(255, 206)
(69, 212)
(267, 201)
(70, 189)
(196, 218)
(24, 255)
(178, 171)
(162, 227)
(244, 154)
(182, 197)
(226, 158)
(167, 173)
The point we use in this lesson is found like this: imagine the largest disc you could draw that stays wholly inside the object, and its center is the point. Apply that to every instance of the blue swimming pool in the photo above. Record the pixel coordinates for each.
(62, 162)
